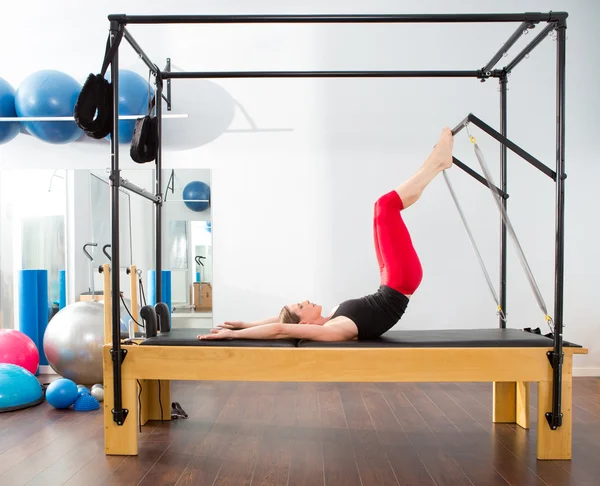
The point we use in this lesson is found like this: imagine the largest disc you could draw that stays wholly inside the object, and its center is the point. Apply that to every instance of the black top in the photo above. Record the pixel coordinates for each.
(374, 314)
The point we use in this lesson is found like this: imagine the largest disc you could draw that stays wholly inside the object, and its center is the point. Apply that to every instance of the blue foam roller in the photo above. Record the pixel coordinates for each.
(28, 305)
(166, 288)
(62, 280)
(86, 403)
(42, 306)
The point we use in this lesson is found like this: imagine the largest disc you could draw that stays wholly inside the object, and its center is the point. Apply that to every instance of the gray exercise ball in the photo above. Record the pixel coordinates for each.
(73, 342)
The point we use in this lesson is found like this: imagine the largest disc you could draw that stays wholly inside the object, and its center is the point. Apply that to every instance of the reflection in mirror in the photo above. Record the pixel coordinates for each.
(58, 221)
(32, 237)
(187, 245)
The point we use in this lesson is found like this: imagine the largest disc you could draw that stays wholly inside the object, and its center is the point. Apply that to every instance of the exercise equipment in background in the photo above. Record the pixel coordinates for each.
(196, 196)
(49, 93)
(33, 307)
(73, 342)
(62, 393)
(8, 130)
(134, 96)
(166, 288)
(19, 349)
(62, 280)
(86, 403)
(18, 388)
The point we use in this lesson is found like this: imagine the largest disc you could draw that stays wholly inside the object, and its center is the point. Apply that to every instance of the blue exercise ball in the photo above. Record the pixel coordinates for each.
(62, 393)
(49, 93)
(18, 388)
(194, 193)
(8, 130)
(134, 94)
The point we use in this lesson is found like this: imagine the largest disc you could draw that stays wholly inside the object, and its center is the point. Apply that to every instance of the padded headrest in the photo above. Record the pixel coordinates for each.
(94, 107)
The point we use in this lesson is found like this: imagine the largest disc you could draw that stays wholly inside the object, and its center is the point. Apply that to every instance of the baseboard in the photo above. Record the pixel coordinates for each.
(46, 370)
(586, 371)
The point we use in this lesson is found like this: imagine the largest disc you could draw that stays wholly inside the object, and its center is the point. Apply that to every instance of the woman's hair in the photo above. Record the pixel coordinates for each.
(286, 316)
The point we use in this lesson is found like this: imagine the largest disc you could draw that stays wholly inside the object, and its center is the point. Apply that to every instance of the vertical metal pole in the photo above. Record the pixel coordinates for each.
(555, 418)
(503, 185)
(158, 183)
(119, 414)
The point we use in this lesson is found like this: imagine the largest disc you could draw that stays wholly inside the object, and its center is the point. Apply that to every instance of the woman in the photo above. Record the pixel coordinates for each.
(370, 316)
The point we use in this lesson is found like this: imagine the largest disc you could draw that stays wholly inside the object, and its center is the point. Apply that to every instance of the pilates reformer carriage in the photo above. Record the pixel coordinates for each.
(509, 358)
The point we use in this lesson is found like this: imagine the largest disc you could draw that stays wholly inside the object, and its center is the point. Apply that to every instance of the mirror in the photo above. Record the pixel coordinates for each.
(187, 245)
(59, 221)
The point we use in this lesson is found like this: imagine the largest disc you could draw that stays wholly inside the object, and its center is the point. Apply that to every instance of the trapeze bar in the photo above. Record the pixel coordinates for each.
(138, 190)
(136, 47)
(507, 45)
(503, 140)
(530, 47)
(338, 19)
(322, 74)
(478, 177)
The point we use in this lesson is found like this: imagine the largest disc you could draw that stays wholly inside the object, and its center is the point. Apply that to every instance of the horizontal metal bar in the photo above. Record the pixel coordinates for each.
(508, 143)
(136, 47)
(338, 19)
(507, 45)
(530, 47)
(139, 191)
(320, 74)
(479, 177)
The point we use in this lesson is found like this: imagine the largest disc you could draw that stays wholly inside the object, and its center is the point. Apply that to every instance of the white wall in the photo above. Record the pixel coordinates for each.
(305, 184)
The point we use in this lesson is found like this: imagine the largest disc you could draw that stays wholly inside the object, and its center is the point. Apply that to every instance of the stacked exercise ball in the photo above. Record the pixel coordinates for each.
(134, 96)
(8, 130)
(52, 93)
(196, 196)
(49, 93)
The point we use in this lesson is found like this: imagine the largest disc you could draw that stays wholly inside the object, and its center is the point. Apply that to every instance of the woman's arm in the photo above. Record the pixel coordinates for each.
(343, 331)
(246, 325)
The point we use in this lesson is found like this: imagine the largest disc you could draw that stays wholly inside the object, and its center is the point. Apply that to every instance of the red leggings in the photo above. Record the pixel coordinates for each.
(399, 264)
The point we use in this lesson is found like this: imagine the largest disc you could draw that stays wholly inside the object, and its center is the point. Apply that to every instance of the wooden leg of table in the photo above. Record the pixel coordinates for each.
(556, 444)
(505, 402)
(523, 404)
(159, 408)
(121, 440)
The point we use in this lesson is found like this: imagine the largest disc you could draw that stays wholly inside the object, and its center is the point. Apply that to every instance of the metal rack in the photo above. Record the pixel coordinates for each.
(555, 21)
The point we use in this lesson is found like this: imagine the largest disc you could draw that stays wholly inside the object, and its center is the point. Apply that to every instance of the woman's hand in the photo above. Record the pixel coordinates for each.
(217, 334)
(233, 325)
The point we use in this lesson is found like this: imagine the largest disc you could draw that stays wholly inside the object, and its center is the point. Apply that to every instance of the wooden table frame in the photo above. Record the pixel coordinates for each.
(511, 370)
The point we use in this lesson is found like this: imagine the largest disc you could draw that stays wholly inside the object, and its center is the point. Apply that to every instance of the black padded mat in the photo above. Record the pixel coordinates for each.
(188, 337)
(446, 338)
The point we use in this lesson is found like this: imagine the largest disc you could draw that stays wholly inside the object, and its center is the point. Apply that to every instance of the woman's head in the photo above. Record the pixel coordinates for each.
(301, 313)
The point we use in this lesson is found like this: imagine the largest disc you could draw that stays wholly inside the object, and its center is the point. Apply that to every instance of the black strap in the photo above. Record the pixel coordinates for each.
(110, 51)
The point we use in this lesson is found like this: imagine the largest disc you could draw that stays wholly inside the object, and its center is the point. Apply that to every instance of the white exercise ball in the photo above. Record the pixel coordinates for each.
(73, 342)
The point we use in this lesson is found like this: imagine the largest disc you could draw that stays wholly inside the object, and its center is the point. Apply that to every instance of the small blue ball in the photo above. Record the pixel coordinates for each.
(62, 393)
(194, 195)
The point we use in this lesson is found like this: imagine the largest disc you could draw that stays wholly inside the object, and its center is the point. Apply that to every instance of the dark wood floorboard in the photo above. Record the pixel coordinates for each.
(271, 434)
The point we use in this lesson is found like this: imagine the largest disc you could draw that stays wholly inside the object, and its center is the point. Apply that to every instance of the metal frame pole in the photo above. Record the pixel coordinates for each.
(556, 356)
(118, 354)
(158, 190)
(504, 187)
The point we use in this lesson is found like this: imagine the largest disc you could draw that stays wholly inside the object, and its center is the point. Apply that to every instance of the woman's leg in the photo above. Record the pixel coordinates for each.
(399, 264)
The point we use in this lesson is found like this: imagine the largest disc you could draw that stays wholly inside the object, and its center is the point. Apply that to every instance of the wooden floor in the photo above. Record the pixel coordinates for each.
(305, 434)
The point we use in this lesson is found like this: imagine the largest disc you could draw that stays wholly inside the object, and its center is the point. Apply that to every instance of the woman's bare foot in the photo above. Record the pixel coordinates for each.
(439, 160)
(441, 156)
